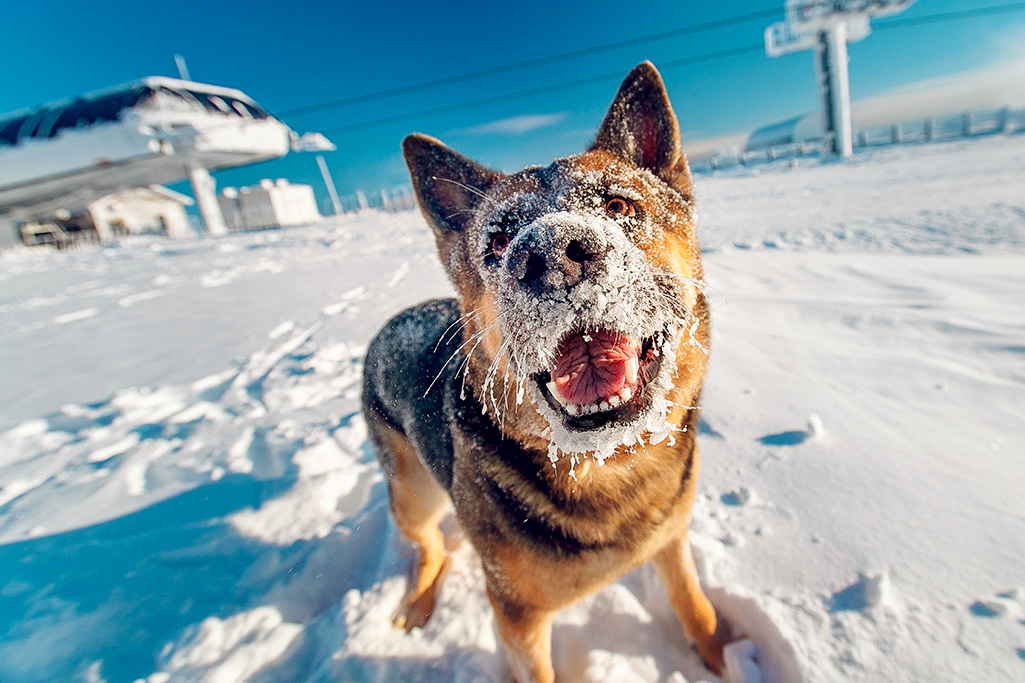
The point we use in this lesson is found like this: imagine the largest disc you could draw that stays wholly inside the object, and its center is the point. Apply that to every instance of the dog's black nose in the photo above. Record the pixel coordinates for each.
(533, 268)
(552, 262)
(577, 252)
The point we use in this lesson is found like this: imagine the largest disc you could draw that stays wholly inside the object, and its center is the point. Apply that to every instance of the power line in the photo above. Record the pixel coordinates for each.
(540, 91)
(519, 66)
(951, 16)
(687, 61)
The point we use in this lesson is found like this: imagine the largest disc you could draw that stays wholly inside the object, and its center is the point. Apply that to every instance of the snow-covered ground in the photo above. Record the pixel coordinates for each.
(186, 493)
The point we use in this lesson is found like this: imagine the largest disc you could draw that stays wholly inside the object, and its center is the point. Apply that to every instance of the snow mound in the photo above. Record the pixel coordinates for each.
(186, 493)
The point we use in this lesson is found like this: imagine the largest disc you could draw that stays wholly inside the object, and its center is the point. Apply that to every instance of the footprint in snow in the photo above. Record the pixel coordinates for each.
(865, 593)
(742, 496)
(1006, 603)
(705, 429)
(793, 438)
(399, 274)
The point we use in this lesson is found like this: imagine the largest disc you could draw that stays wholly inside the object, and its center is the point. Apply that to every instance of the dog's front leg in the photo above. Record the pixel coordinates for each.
(526, 633)
(675, 567)
(418, 505)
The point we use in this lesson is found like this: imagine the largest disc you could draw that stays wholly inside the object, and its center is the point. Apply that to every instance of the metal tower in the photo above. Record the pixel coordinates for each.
(827, 26)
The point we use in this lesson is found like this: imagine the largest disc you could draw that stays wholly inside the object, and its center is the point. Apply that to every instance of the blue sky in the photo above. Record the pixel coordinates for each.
(290, 55)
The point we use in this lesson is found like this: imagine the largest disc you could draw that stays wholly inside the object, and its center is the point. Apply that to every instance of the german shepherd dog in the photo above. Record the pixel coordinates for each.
(553, 403)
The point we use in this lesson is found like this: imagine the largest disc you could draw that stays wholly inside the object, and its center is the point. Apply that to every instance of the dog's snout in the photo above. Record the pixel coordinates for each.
(551, 258)
(530, 266)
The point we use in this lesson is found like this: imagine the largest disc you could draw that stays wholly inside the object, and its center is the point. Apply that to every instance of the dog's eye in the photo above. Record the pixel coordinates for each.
(620, 207)
(499, 243)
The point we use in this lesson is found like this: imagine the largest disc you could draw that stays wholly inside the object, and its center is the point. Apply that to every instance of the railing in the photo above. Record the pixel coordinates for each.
(399, 198)
(967, 124)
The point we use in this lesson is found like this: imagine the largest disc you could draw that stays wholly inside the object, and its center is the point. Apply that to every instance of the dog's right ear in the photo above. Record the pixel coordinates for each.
(448, 186)
(640, 127)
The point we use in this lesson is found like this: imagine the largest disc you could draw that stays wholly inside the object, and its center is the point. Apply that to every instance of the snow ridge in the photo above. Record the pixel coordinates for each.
(860, 430)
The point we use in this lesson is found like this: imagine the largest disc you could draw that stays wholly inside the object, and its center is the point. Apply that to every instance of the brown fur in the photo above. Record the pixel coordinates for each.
(545, 538)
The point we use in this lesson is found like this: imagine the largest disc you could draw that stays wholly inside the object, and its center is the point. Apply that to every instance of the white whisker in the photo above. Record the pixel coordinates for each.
(480, 335)
(468, 188)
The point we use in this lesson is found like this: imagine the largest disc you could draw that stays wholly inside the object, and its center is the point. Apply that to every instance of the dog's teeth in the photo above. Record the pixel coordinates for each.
(604, 405)
(626, 394)
(572, 409)
(555, 392)
(614, 401)
(631, 370)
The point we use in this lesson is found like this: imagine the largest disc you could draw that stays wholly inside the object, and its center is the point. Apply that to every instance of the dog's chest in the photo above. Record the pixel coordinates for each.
(502, 489)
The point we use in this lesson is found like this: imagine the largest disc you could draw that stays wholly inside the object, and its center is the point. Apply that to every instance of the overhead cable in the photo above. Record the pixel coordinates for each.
(540, 61)
(686, 61)
(539, 91)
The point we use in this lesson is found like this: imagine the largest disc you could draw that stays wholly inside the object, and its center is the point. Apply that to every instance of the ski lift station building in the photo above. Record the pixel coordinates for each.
(271, 204)
(68, 154)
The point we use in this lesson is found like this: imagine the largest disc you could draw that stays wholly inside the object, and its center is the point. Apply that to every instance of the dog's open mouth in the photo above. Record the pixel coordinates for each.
(600, 377)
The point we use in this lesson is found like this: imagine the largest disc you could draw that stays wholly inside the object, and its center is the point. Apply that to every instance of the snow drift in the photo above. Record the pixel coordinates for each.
(186, 492)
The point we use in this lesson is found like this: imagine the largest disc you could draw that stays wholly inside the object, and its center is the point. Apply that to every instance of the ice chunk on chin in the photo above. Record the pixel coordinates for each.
(593, 367)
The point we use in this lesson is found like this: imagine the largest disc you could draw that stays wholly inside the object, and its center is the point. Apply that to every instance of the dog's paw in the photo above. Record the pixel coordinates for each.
(711, 648)
(415, 613)
(712, 652)
(416, 610)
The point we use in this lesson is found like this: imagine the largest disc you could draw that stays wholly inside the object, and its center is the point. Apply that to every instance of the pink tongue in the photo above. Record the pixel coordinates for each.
(592, 370)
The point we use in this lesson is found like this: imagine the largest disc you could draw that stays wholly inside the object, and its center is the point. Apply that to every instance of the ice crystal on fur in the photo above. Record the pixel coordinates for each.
(602, 443)
(617, 290)
(625, 296)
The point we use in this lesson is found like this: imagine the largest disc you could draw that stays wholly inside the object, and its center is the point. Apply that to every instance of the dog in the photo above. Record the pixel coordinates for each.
(553, 404)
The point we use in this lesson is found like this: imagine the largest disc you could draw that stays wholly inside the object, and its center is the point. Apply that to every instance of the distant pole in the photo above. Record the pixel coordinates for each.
(330, 185)
(827, 26)
(203, 187)
(835, 88)
(183, 68)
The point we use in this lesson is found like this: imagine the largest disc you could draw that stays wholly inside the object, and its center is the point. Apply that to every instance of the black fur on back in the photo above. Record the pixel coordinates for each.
(408, 377)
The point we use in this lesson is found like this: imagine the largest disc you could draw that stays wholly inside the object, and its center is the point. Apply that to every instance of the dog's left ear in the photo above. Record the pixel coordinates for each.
(448, 186)
(640, 127)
